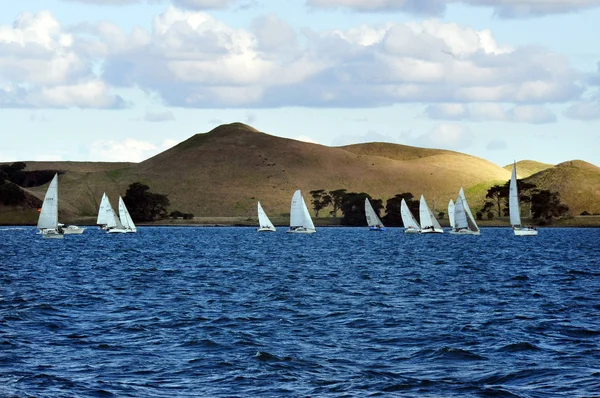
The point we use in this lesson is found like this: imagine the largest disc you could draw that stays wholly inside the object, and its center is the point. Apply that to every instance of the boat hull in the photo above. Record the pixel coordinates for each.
(432, 231)
(301, 230)
(116, 231)
(51, 234)
(73, 231)
(465, 232)
(265, 229)
(376, 228)
(525, 231)
(412, 231)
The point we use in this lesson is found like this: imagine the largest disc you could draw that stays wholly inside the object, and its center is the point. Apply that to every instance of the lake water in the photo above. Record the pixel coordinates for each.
(189, 312)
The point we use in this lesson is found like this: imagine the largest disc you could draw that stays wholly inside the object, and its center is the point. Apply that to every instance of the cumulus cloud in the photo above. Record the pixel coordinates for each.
(305, 138)
(586, 109)
(159, 117)
(127, 150)
(40, 67)
(447, 136)
(191, 59)
(502, 8)
(191, 4)
(534, 114)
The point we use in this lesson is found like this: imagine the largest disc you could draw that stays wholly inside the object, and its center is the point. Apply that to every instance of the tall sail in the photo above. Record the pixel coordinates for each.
(49, 214)
(112, 220)
(460, 215)
(263, 219)
(426, 216)
(102, 219)
(451, 213)
(299, 216)
(408, 219)
(470, 219)
(513, 199)
(125, 216)
(372, 218)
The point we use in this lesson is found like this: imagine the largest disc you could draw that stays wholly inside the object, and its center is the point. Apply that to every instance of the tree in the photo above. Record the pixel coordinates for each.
(353, 208)
(546, 205)
(144, 205)
(337, 197)
(320, 200)
(498, 194)
(392, 208)
(441, 215)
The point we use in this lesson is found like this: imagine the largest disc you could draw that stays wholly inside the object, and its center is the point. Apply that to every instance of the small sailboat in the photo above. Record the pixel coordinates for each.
(514, 208)
(264, 224)
(429, 225)
(464, 223)
(102, 219)
(300, 221)
(113, 223)
(411, 226)
(451, 213)
(48, 220)
(373, 220)
(126, 220)
(71, 229)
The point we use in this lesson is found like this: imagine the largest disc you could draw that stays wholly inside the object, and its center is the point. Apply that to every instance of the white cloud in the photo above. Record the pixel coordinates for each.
(41, 67)
(534, 114)
(191, 4)
(305, 138)
(584, 110)
(502, 8)
(127, 150)
(447, 136)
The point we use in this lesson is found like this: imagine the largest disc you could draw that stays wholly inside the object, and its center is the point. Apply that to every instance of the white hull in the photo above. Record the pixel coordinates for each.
(412, 231)
(432, 231)
(51, 234)
(73, 230)
(265, 229)
(525, 231)
(301, 230)
(117, 231)
(465, 232)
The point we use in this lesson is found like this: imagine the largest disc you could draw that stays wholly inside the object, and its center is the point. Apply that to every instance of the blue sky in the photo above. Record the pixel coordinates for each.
(121, 80)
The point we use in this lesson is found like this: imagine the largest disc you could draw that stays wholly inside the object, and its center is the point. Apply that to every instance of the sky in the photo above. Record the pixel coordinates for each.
(122, 80)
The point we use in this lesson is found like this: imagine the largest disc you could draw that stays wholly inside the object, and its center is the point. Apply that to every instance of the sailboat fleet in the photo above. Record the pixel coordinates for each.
(461, 218)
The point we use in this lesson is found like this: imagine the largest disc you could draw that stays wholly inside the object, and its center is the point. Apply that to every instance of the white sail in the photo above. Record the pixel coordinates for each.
(126, 217)
(112, 220)
(470, 219)
(451, 209)
(460, 215)
(513, 199)
(102, 219)
(372, 218)
(408, 219)
(428, 221)
(299, 215)
(264, 224)
(49, 214)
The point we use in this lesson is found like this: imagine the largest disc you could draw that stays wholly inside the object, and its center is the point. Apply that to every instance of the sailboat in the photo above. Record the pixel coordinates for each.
(451, 207)
(125, 217)
(102, 219)
(514, 209)
(71, 229)
(464, 223)
(300, 221)
(373, 220)
(411, 226)
(264, 224)
(429, 225)
(48, 220)
(113, 223)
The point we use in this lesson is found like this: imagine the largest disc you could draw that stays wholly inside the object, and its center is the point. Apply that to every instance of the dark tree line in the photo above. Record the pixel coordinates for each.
(144, 205)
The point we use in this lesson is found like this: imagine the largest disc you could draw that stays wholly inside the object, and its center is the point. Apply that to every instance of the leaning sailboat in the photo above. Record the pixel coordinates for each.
(300, 221)
(113, 223)
(125, 217)
(102, 219)
(373, 219)
(464, 223)
(514, 208)
(264, 224)
(48, 220)
(429, 225)
(411, 226)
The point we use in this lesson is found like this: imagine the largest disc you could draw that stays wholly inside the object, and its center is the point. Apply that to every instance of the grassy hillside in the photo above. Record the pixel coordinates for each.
(526, 168)
(224, 172)
(578, 183)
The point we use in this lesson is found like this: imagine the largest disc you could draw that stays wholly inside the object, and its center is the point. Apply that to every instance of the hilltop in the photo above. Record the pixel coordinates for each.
(526, 168)
(222, 173)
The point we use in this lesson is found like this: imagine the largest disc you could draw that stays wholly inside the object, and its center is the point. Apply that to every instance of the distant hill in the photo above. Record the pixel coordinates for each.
(224, 172)
(578, 183)
(526, 168)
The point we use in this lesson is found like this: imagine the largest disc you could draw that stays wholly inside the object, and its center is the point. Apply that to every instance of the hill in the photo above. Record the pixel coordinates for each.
(222, 173)
(578, 183)
(526, 168)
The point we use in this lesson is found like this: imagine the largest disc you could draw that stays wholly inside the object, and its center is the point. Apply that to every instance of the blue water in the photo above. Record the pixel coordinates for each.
(344, 312)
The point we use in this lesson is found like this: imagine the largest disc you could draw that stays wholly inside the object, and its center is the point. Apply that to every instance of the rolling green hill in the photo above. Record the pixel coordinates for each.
(222, 173)
(526, 168)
